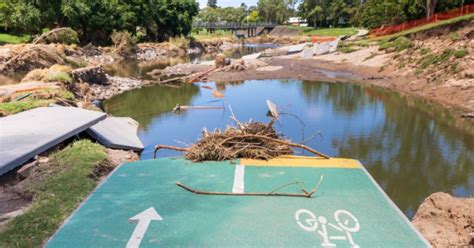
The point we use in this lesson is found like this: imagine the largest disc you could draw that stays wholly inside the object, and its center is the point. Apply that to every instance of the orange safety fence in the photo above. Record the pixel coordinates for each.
(322, 39)
(465, 10)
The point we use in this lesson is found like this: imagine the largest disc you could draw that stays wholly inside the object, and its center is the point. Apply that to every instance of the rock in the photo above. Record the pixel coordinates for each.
(221, 60)
(446, 221)
(58, 35)
(91, 75)
(469, 73)
(390, 50)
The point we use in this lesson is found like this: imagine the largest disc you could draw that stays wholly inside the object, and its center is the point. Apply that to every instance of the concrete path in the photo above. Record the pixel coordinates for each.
(29, 133)
(118, 133)
(140, 205)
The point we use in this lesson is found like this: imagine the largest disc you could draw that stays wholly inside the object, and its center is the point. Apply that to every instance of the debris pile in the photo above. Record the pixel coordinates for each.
(253, 140)
(250, 140)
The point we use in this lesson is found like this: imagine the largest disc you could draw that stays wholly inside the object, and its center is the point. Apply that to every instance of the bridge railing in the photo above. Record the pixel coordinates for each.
(233, 25)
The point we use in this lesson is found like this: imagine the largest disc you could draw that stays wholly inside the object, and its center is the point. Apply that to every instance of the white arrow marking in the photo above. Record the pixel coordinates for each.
(143, 219)
(239, 179)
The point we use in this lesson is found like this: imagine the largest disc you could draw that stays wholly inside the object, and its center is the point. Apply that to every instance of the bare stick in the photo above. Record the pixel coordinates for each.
(175, 148)
(200, 192)
(277, 141)
(241, 126)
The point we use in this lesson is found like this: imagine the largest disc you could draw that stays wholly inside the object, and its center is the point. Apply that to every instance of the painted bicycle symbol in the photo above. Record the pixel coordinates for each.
(346, 223)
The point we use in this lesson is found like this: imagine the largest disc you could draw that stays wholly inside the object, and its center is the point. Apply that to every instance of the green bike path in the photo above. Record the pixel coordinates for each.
(140, 205)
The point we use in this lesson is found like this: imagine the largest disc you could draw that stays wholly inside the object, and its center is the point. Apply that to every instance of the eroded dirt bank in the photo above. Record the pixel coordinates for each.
(446, 221)
(328, 71)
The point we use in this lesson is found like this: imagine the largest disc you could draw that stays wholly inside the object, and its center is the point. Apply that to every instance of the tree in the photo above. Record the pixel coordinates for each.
(95, 20)
(212, 3)
(274, 10)
(228, 14)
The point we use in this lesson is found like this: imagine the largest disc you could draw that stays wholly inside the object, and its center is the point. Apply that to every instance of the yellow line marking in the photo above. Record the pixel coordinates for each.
(302, 161)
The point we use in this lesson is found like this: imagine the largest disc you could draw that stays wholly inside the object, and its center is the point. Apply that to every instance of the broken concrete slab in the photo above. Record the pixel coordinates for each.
(307, 53)
(252, 56)
(29, 133)
(333, 45)
(118, 133)
(297, 48)
(321, 48)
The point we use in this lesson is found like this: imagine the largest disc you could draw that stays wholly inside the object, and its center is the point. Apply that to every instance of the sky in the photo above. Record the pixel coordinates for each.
(227, 3)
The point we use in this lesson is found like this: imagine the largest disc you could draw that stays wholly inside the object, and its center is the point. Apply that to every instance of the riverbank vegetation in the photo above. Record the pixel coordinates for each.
(96, 20)
(56, 187)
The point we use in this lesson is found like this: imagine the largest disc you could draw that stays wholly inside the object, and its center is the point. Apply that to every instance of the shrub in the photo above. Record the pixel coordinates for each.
(59, 35)
(124, 43)
(55, 76)
(460, 53)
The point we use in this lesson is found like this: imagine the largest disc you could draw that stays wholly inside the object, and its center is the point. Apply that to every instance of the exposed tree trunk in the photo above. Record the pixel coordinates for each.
(430, 7)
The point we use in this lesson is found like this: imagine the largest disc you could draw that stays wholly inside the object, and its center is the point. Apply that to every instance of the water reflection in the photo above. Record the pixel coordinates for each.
(410, 147)
(147, 103)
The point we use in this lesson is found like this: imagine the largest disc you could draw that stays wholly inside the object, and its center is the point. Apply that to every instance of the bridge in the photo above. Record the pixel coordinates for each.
(252, 29)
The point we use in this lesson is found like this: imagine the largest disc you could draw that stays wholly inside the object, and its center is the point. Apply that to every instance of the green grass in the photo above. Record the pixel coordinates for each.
(424, 51)
(460, 53)
(9, 108)
(56, 195)
(13, 39)
(431, 59)
(346, 49)
(204, 35)
(454, 36)
(400, 44)
(58, 76)
(325, 31)
(40, 98)
(425, 27)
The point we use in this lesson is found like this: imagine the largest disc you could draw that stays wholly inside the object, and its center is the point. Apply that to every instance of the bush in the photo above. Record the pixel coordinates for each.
(58, 35)
(460, 53)
(58, 76)
(124, 43)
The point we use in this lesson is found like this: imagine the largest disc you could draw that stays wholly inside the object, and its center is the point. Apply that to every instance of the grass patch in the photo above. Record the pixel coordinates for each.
(39, 98)
(347, 49)
(56, 195)
(425, 27)
(424, 51)
(203, 35)
(454, 36)
(460, 53)
(325, 31)
(431, 59)
(58, 76)
(9, 108)
(400, 44)
(13, 39)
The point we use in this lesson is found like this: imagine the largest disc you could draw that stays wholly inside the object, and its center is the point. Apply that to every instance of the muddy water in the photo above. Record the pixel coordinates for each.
(138, 69)
(410, 147)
